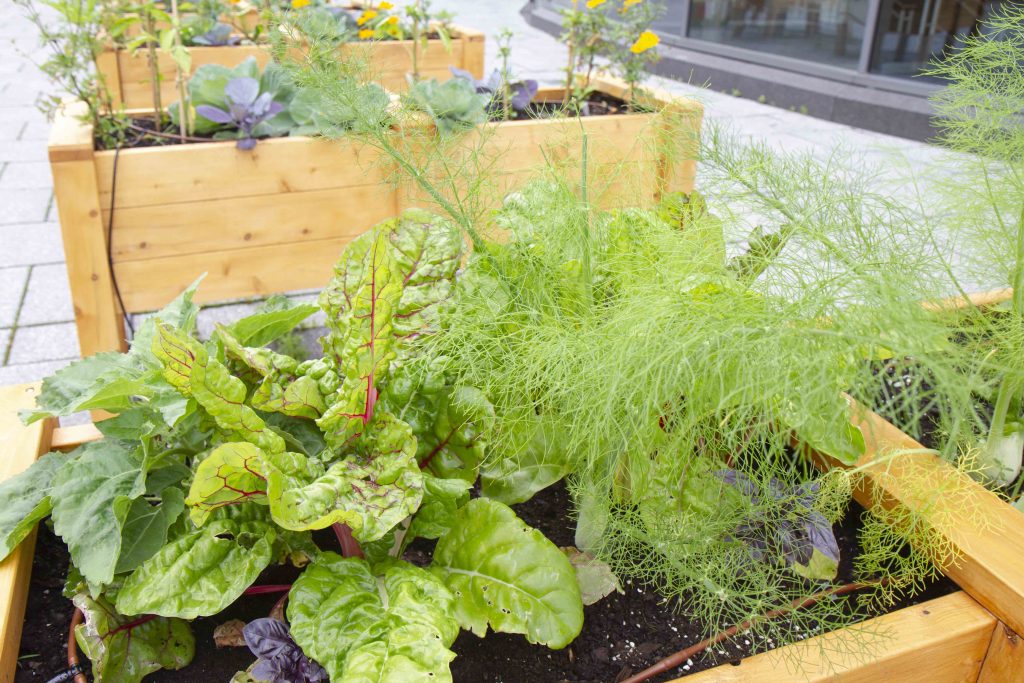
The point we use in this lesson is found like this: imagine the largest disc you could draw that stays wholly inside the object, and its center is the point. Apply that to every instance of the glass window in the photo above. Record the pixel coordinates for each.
(911, 33)
(821, 31)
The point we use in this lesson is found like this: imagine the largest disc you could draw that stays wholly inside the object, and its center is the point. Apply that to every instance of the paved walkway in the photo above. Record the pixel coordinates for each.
(37, 333)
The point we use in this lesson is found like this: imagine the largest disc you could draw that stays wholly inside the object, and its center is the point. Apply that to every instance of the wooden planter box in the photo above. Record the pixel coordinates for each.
(274, 219)
(127, 74)
(969, 635)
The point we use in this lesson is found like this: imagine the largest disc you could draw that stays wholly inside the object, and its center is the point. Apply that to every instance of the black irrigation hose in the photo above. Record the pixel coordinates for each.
(110, 244)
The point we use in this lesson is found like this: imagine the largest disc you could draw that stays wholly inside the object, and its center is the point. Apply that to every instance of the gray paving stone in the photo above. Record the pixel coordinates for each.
(11, 130)
(43, 343)
(12, 287)
(22, 150)
(31, 243)
(24, 206)
(48, 299)
(36, 129)
(26, 175)
(30, 372)
(5, 341)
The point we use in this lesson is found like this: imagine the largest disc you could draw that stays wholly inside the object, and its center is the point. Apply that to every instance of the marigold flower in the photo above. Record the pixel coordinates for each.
(366, 33)
(626, 4)
(366, 16)
(391, 20)
(385, 5)
(591, 4)
(645, 42)
(296, 4)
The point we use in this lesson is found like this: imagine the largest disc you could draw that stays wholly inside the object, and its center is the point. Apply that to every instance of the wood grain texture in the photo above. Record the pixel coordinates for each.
(939, 641)
(20, 445)
(1004, 660)
(69, 438)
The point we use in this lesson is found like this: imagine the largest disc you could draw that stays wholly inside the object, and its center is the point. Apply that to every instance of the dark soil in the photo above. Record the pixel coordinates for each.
(597, 104)
(622, 634)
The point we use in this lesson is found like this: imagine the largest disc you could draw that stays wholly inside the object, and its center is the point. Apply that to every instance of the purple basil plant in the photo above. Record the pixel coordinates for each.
(520, 92)
(247, 108)
(801, 535)
(281, 660)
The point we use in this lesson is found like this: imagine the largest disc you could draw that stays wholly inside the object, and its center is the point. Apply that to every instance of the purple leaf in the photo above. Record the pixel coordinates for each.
(522, 94)
(281, 660)
(245, 144)
(242, 90)
(267, 638)
(462, 73)
(215, 114)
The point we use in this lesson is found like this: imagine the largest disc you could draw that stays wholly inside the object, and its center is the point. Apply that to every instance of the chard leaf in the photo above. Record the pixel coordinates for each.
(190, 369)
(370, 491)
(507, 575)
(455, 446)
(391, 628)
(279, 317)
(125, 649)
(542, 461)
(230, 475)
(181, 313)
(596, 578)
(387, 289)
(442, 498)
(25, 500)
(200, 573)
(92, 496)
(145, 528)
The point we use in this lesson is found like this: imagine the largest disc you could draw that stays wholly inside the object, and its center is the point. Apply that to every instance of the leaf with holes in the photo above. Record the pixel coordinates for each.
(200, 573)
(126, 649)
(392, 627)
(508, 576)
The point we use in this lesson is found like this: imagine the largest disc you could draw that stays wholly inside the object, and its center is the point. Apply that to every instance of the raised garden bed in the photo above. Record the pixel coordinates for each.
(274, 219)
(128, 78)
(950, 638)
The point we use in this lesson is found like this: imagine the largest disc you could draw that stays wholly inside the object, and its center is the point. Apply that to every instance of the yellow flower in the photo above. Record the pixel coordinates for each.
(591, 4)
(366, 33)
(366, 16)
(391, 20)
(645, 42)
(626, 4)
(296, 4)
(385, 5)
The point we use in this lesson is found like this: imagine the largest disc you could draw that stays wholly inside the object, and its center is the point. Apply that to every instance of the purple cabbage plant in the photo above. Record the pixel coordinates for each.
(795, 532)
(280, 659)
(520, 93)
(247, 108)
(220, 35)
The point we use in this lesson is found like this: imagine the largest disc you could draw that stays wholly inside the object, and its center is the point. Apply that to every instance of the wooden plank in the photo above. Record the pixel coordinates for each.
(68, 438)
(97, 315)
(985, 534)
(234, 274)
(472, 49)
(152, 232)
(158, 176)
(70, 134)
(20, 445)
(940, 641)
(1005, 658)
(979, 299)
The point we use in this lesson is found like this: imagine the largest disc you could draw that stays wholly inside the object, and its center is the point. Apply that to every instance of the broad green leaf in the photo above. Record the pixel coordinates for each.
(105, 380)
(596, 578)
(279, 317)
(508, 576)
(200, 573)
(455, 444)
(541, 461)
(392, 628)
(371, 491)
(442, 498)
(126, 649)
(145, 528)
(25, 500)
(301, 435)
(190, 369)
(92, 495)
(827, 430)
(230, 475)
(181, 313)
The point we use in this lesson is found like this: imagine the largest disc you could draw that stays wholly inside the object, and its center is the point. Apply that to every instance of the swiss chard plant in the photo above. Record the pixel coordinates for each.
(224, 455)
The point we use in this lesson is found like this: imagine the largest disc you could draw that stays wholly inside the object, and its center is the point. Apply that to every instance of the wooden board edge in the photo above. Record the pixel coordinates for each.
(71, 137)
(1005, 656)
(940, 640)
(20, 445)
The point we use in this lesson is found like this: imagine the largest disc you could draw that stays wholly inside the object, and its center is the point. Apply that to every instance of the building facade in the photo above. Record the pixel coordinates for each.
(860, 62)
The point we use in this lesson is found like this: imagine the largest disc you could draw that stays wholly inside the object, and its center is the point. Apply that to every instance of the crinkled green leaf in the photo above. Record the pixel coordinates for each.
(370, 491)
(507, 575)
(230, 475)
(540, 462)
(126, 649)
(25, 500)
(297, 398)
(392, 628)
(442, 498)
(189, 368)
(200, 573)
(278, 317)
(92, 496)
(145, 528)
(302, 436)
(455, 444)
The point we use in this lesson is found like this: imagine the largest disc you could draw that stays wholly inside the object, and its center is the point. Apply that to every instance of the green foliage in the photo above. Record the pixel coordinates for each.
(454, 105)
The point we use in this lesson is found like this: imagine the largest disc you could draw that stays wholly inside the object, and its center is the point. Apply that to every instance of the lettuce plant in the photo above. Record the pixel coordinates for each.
(224, 455)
